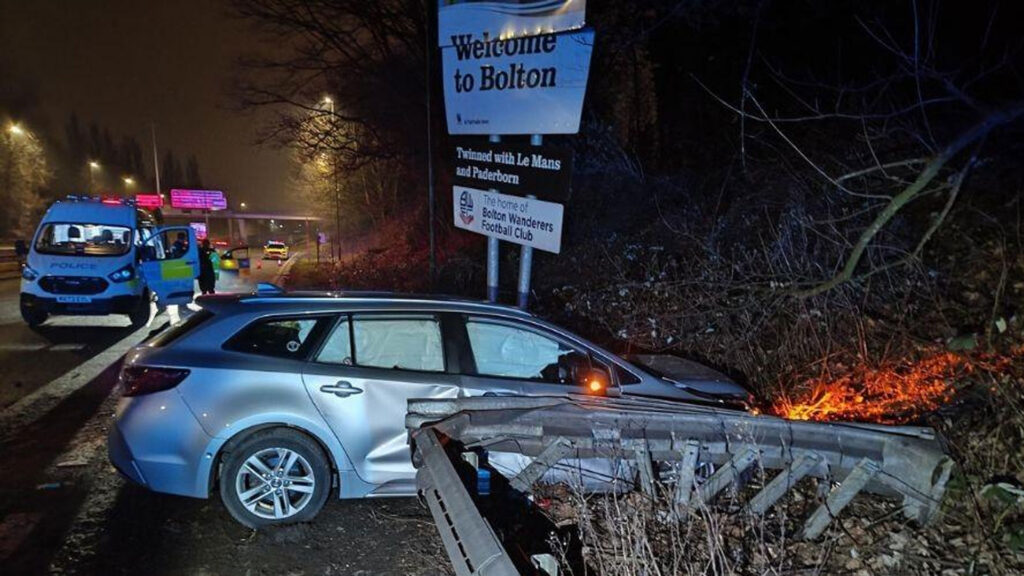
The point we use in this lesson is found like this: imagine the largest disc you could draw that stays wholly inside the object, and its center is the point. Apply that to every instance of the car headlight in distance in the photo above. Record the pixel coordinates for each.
(29, 273)
(122, 274)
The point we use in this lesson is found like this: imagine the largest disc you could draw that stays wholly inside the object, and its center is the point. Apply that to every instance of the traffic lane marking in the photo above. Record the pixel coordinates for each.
(34, 405)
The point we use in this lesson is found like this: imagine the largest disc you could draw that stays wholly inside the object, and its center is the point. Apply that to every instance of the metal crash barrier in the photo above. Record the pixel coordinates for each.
(904, 462)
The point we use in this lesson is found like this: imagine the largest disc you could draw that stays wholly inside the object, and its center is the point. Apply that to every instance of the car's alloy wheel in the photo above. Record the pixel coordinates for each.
(276, 477)
(275, 483)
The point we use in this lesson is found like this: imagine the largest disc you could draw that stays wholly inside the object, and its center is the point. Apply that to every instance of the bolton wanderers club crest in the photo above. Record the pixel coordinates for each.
(466, 207)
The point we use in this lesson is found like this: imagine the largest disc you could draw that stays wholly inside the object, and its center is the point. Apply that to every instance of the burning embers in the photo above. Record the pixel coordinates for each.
(892, 393)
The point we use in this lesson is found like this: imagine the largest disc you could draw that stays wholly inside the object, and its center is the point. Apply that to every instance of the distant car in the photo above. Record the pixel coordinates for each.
(275, 251)
(275, 399)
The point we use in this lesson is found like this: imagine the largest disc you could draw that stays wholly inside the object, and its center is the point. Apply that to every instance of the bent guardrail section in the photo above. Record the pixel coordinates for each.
(469, 540)
(905, 462)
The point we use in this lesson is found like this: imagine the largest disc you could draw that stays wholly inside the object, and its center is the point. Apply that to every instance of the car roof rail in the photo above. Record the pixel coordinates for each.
(267, 293)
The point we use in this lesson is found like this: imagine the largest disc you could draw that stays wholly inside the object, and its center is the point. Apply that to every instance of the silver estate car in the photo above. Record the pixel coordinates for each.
(276, 400)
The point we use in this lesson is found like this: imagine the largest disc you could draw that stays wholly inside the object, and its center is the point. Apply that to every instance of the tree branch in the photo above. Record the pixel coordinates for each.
(931, 170)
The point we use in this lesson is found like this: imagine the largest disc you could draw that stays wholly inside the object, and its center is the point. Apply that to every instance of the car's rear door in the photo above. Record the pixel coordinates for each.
(360, 380)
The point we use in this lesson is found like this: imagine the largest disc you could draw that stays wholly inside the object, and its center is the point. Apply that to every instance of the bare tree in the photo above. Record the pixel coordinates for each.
(918, 128)
(24, 173)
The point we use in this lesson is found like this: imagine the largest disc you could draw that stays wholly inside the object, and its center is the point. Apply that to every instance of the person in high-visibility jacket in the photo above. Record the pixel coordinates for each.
(207, 269)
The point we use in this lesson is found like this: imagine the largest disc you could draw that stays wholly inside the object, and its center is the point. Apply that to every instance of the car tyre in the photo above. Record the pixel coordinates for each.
(33, 317)
(275, 477)
(139, 316)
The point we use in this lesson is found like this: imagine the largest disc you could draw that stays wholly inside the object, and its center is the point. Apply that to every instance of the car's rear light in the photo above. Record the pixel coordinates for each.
(140, 380)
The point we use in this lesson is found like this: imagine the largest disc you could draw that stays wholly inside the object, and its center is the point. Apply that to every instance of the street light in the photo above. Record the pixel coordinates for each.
(334, 177)
(15, 129)
(242, 205)
(93, 166)
(128, 182)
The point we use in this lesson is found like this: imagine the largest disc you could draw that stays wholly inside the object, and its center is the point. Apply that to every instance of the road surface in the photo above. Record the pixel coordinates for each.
(63, 509)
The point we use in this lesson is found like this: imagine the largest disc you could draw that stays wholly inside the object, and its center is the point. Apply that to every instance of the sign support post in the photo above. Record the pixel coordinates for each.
(492, 253)
(526, 253)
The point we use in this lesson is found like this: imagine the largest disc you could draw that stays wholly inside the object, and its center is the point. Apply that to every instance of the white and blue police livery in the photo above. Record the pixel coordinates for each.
(92, 256)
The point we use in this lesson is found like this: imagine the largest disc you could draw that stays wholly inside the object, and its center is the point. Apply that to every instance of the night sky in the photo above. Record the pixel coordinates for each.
(125, 63)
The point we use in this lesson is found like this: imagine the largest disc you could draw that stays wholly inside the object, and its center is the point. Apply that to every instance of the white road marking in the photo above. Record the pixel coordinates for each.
(49, 395)
(21, 347)
(66, 347)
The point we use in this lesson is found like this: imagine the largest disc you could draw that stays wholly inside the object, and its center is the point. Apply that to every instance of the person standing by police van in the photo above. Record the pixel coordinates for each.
(207, 273)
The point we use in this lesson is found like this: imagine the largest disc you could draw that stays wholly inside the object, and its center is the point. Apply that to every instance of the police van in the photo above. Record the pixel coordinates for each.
(93, 256)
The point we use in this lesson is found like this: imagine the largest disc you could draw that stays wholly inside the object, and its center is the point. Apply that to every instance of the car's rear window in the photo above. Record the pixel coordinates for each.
(174, 332)
(281, 337)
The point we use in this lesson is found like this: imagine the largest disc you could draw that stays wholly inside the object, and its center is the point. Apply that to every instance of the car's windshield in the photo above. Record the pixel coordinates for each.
(275, 245)
(80, 239)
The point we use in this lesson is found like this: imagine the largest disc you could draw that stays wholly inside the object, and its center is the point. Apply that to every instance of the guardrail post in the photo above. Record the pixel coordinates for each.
(857, 479)
(558, 449)
(726, 475)
(783, 481)
(684, 484)
(646, 466)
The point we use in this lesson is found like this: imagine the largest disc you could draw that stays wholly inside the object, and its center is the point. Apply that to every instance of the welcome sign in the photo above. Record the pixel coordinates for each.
(507, 18)
(518, 85)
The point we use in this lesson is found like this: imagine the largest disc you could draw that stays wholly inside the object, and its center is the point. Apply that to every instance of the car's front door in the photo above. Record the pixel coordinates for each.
(360, 380)
(510, 357)
(169, 262)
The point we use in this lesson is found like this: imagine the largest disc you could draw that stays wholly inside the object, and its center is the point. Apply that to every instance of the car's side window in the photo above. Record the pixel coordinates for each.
(279, 337)
(398, 341)
(338, 347)
(508, 351)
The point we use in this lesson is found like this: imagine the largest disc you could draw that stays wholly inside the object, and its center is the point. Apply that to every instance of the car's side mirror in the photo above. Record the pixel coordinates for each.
(597, 382)
(594, 380)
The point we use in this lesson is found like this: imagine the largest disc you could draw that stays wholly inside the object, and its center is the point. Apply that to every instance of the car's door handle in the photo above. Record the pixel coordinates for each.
(343, 389)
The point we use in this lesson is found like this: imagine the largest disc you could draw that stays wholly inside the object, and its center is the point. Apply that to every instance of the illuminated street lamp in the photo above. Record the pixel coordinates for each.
(15, 129)
(128, 183)
(334, 177)
(242, 205)
(93, 167)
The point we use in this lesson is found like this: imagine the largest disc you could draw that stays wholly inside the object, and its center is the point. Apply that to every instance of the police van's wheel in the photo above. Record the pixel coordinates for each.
(32, 316)
(140, 315)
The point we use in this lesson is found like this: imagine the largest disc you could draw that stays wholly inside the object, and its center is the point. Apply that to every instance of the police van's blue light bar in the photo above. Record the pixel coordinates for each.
(108, 200)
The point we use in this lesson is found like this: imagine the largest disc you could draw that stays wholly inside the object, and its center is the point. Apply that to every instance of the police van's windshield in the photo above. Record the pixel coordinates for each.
(84, 239)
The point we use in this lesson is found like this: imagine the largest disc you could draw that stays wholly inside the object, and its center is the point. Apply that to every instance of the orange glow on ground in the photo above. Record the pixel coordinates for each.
(891, 393)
